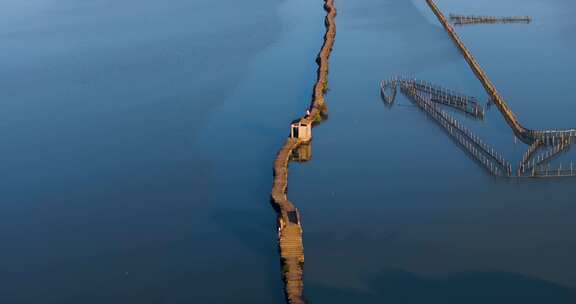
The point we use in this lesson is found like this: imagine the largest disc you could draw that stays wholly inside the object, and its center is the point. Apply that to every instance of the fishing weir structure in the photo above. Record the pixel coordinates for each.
(544, 145)
(472, 19)
(524, 134)
(431, 99)
(466, 104)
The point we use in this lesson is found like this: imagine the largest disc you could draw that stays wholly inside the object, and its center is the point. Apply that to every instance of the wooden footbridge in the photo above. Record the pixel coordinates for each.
(289, 227)
(472, 19)
(526, 135)
(296, 148)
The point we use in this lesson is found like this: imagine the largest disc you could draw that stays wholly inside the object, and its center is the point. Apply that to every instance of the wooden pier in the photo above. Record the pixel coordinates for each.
(289, 227)
(289, 222)
(472, 19)
(511, 119)
(526, 135)
(430, 97)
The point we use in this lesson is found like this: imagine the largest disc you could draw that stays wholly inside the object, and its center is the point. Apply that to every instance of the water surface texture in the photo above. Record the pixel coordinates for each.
(137, 141)
(393, 211)
(138, 138)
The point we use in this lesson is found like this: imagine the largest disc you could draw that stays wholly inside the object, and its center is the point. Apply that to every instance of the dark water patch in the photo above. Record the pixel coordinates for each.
(415, 199)
(399, 286)
(107, 196)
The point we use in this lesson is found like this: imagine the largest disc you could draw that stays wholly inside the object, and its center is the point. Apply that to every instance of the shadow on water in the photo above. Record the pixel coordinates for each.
(107, 194)
(400, 286)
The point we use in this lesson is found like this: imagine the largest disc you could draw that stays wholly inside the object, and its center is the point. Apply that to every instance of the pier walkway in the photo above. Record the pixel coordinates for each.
(289, 228)
(526, 135)
(289, 222)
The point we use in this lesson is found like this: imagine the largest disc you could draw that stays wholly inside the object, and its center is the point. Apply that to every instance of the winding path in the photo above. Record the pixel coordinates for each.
(289, 224)
(526, 135)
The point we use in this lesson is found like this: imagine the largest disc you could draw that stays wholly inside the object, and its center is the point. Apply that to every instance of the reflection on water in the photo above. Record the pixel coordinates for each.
(430, 98)
(302, 153)
(388, 190)
(137, 139)
(108, 195)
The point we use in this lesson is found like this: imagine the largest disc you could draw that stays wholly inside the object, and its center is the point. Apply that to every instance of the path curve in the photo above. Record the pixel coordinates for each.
(289, 224)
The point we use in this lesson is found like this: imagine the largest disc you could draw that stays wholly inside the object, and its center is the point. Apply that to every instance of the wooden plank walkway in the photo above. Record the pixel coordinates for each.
(526, 135)
(463, 103)
(429, 96)
(544, 158)
(448, 97)
(289, 222)
(509, 116)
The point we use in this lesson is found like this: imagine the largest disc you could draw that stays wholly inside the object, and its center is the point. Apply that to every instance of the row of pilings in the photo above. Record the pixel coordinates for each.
(445, 96)
(493, 162)
(526, 135)
(289, 223)
(532, 165)
(472, 19)
(509, 116)
(429, 97)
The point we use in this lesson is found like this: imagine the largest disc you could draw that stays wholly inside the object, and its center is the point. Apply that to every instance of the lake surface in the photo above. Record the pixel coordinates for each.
(138, 140)
(395, 212)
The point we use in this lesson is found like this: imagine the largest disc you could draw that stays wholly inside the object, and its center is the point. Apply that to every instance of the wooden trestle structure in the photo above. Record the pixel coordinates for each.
(430, 98)
(472, 19)
(526, 135)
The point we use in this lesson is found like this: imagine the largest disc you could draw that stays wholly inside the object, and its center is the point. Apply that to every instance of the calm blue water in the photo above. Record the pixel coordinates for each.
(392, 210)
(138, 139)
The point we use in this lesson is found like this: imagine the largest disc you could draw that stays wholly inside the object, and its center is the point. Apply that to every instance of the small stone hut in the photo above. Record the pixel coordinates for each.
(301, 130)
